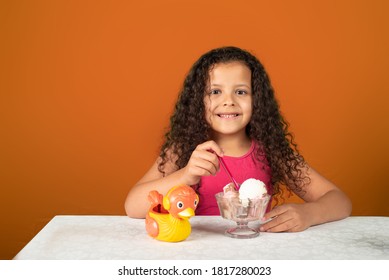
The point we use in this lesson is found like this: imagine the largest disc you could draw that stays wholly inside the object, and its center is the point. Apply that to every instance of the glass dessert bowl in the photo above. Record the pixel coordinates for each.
(242, 211)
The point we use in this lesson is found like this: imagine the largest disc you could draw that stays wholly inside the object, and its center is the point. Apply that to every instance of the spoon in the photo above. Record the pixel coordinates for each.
(223, 164)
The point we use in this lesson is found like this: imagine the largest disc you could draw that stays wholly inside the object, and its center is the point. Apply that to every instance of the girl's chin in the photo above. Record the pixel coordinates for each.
(225, 132)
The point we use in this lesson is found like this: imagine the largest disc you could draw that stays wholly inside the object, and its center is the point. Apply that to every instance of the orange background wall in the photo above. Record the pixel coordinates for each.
(87, 88)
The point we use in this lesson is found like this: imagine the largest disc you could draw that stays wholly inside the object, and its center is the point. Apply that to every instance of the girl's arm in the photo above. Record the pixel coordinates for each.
(137, 204)
(324, 203)
(201, 163)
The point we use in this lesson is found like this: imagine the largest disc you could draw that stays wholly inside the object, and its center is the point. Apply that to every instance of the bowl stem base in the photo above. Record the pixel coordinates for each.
(242, 231)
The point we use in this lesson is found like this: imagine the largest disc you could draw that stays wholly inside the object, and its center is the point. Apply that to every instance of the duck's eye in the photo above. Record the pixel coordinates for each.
(180, 205)
(195, 202)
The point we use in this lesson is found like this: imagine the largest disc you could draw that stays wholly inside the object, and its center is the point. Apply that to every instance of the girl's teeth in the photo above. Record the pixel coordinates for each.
(228, 116)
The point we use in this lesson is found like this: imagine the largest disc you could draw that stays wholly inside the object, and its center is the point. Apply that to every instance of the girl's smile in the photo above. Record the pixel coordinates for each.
(228, 115)
(228, 103)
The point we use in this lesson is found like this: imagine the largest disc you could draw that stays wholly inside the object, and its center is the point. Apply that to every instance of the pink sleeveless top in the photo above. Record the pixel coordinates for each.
(242, 168)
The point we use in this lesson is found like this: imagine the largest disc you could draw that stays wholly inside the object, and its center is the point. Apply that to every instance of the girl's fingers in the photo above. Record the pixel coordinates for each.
(286, 218)
(203, 161)
(288, 226)
(280, 223)
(205, 164)
(208, 152)
(275, 212)
(211, 146)
(200, 171)
(208, 157)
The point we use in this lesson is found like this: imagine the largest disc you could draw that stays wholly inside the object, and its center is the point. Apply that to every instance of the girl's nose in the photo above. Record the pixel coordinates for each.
(228, 100)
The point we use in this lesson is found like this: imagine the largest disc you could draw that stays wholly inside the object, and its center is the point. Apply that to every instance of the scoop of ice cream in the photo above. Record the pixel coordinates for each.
(229, 191)
(251, 189)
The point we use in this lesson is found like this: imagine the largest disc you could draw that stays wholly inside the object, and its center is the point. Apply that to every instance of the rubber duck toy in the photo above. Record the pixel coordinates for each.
(168, 216)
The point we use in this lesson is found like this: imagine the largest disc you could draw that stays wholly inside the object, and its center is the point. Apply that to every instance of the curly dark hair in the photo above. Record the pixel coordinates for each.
(189, 128)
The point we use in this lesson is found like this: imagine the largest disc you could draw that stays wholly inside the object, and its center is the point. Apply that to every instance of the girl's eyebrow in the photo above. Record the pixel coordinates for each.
(238, 85)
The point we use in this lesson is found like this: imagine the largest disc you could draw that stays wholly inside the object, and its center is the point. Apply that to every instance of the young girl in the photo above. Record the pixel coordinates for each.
(227, 109)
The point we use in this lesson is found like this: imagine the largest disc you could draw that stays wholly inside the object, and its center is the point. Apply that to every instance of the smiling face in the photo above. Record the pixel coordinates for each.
(228, 100)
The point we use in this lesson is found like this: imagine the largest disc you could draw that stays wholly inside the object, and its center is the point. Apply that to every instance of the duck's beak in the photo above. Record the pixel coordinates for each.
(187, 213)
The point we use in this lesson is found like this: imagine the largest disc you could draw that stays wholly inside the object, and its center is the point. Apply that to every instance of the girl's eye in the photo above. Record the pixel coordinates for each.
(241, 92)
(215, 91)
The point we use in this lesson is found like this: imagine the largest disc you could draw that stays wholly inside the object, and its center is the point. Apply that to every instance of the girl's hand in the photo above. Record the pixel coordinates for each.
(203, 162)
(287, 218)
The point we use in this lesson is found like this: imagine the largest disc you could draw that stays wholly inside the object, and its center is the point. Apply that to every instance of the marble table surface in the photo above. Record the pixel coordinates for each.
(120, 238)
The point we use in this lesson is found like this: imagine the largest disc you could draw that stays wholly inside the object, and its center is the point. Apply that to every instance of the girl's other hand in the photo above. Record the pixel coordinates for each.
(287, 218)
(203, 162)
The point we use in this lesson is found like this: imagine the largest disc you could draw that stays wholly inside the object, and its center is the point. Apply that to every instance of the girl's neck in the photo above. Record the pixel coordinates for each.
(233, 145)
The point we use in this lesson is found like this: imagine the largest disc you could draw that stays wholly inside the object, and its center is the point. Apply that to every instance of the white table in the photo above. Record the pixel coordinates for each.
(119, 237)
